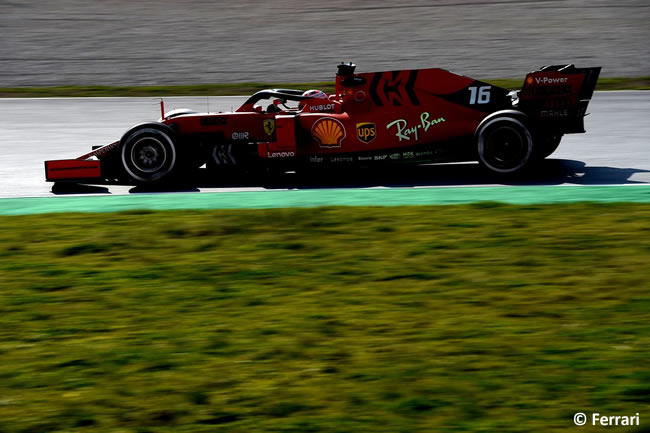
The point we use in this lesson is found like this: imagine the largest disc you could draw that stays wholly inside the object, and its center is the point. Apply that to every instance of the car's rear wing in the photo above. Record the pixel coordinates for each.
(556, 96)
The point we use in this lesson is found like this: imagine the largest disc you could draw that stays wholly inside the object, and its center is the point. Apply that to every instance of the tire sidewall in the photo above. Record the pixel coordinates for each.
(163, 142)
(504, 122)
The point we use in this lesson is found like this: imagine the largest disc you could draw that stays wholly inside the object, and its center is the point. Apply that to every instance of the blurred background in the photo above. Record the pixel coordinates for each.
(120, 42)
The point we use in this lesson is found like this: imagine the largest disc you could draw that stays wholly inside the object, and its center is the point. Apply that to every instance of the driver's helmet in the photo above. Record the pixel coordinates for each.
(313, 93)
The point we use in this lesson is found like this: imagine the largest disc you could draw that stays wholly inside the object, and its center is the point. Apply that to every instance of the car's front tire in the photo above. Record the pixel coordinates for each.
(149, 154)
(505, 145)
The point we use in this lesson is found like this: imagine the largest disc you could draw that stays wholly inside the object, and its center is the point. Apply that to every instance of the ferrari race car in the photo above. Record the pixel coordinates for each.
(408, 116)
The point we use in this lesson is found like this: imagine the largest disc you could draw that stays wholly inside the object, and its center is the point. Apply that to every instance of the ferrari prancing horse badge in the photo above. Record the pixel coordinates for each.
(269, 126)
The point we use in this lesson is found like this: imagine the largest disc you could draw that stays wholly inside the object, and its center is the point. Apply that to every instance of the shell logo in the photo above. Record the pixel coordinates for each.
(328, 132)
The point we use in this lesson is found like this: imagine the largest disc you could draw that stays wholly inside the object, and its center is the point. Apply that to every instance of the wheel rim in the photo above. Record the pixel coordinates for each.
(505, 145)
(148, 155)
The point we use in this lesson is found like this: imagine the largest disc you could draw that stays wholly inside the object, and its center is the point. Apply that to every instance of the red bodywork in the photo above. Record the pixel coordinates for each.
(426, 115)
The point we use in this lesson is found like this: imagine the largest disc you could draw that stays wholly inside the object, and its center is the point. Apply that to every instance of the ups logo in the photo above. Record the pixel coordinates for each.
(366, 132)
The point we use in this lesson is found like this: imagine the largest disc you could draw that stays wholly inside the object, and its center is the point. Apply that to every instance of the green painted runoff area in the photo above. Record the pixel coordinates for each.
(326, 197)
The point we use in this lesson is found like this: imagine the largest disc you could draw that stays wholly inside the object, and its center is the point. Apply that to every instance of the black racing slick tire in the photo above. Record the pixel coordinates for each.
(149, 154)
(505, 145)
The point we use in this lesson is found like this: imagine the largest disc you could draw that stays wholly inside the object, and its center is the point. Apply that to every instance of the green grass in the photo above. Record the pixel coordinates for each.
(481, 317)
(636, 83)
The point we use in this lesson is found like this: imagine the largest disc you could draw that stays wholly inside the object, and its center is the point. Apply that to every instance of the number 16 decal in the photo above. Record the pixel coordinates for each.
(479, 95)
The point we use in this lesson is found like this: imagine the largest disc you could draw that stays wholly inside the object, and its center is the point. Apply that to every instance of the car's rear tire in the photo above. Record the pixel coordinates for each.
(149, 154)
(505, 145)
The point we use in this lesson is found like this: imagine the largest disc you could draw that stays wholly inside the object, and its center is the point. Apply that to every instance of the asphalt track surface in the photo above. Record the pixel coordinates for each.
(120, 42)
(614, 151)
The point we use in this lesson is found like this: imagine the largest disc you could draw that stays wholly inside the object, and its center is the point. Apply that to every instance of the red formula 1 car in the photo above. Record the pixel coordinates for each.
(407, 116)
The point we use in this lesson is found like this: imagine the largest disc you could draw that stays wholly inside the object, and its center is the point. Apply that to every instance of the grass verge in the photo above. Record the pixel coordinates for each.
(480, 317)
(637, 83)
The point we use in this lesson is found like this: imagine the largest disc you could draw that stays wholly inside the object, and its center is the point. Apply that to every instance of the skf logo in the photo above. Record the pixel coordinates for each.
(269, 126)
(366, 132)
(328, 132)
